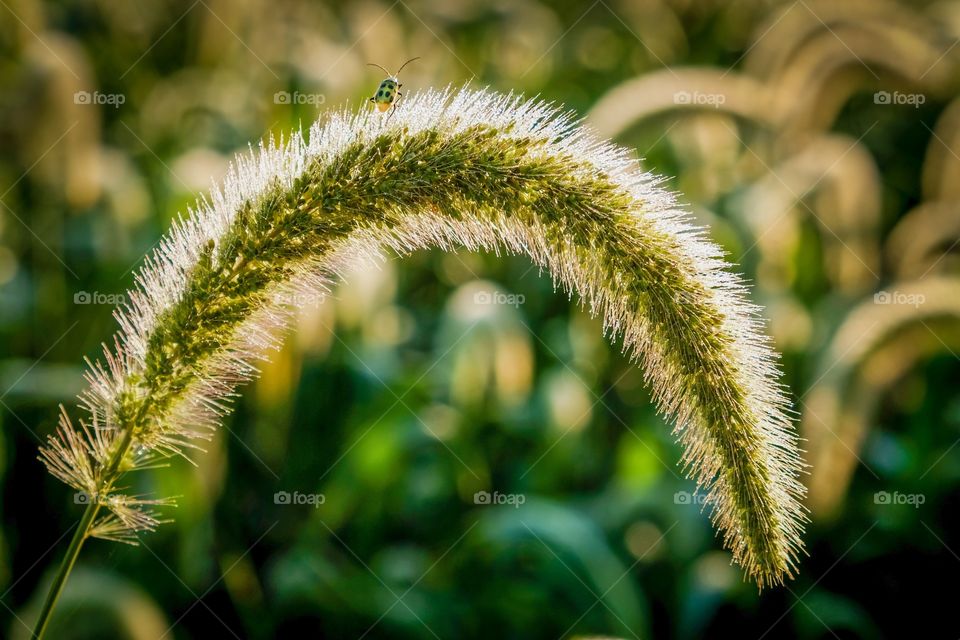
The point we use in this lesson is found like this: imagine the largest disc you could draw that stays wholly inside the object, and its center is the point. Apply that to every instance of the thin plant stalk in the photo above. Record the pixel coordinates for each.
(66, 566)
(80, 536)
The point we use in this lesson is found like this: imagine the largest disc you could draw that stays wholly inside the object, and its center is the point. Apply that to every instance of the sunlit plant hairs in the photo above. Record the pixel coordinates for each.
(450, 169)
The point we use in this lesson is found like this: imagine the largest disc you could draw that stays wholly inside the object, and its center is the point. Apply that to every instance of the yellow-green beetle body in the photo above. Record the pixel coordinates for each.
(388, 93)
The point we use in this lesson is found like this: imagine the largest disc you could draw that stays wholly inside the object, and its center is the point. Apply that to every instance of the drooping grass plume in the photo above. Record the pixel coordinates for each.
(463, 168)
(879, 342)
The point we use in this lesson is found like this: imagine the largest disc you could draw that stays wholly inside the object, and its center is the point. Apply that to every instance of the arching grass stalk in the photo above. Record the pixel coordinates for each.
(465, 168)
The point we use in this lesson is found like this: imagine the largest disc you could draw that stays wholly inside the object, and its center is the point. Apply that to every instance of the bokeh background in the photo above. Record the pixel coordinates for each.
(819, 142)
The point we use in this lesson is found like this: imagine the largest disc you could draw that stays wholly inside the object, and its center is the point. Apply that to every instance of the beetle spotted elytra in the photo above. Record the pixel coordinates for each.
(388, 93)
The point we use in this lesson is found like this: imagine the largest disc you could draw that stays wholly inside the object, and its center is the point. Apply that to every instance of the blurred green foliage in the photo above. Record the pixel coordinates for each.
(403, 395)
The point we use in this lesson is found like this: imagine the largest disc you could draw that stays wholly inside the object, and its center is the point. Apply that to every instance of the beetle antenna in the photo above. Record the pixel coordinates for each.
(373, 64)
(405, 64)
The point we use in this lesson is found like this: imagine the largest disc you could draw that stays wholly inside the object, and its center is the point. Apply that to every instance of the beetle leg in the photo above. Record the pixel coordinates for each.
(396, 101)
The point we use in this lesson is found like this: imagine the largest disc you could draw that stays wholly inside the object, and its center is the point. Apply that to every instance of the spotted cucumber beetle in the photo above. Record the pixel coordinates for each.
(388, 93)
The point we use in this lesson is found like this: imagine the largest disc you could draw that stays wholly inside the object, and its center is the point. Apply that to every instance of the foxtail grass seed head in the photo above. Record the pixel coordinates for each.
(448, 169)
